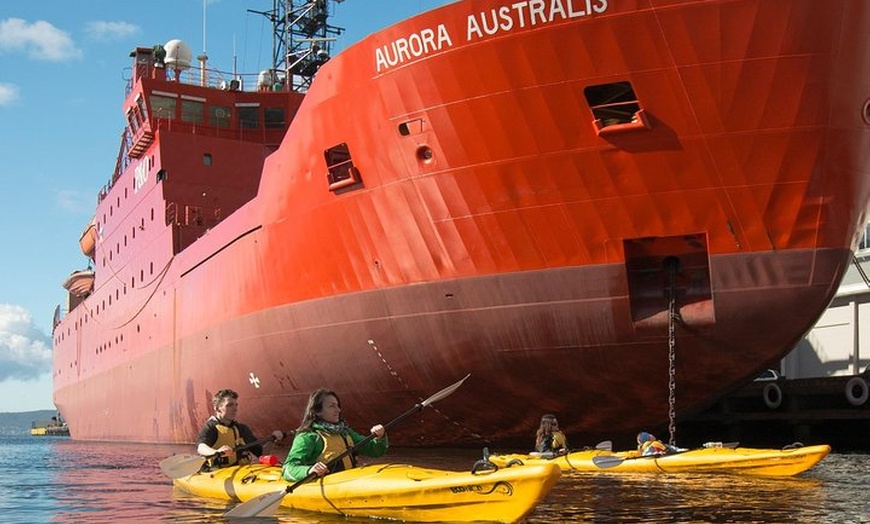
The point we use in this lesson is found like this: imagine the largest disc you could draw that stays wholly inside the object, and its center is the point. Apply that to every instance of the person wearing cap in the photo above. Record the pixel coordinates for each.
(222, 433)
(649, 445)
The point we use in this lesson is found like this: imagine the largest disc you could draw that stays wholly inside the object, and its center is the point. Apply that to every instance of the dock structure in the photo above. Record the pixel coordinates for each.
(819, 391)
(772, 413)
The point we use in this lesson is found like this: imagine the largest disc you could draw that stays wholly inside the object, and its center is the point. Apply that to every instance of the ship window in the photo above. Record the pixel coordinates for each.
(219, 116)
(192, 111)
(249, 117)
(274, 117)
(163, 106)
(615, 107)
(206, 159)
(339, 164)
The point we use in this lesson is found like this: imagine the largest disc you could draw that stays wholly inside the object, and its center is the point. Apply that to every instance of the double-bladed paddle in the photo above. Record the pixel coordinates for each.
(604, 445)
(611, 461)
(182, 465)
(267, 504)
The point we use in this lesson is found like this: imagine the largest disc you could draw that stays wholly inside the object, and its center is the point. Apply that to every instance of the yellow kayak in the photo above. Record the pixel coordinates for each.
(392, 491)
(742, 461)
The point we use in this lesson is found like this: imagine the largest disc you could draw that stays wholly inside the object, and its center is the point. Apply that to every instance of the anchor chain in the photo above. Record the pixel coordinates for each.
(672, 344)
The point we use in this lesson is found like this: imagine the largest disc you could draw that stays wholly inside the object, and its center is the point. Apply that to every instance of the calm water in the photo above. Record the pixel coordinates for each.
(46, 479)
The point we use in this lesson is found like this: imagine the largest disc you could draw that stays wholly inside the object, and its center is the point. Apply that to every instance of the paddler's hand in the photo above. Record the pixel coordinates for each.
(378, 431)
(228, 452)
(277, 435)
(318, 469)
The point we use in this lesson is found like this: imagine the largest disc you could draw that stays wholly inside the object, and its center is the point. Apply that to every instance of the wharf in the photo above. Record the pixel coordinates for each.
(772, 413)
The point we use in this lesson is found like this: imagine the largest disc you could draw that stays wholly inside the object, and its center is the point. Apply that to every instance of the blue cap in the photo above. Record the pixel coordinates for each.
(643, 436)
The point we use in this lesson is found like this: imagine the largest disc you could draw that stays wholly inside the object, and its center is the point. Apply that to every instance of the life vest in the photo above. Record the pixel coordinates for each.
(552, 443)
(334, 445)
(226, 436)
(653, 447)
(559, 441)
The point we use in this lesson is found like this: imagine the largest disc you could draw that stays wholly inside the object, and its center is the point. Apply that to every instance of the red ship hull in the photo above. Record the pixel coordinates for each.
(495, 223)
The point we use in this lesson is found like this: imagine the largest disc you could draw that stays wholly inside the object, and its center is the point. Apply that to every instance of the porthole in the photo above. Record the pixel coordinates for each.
(425, 154)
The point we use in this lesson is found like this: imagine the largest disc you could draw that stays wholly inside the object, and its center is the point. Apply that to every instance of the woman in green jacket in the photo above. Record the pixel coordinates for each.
(323, 435)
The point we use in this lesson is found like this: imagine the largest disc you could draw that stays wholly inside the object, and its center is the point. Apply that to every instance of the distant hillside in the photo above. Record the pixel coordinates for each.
(20, 423)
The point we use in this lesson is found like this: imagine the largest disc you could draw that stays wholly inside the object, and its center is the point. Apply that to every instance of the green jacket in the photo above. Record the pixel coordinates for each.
(308, 445)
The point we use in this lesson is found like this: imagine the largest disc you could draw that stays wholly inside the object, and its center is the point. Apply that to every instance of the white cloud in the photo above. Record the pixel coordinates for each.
(39, 40)
(73, 201)
(8, 94)
(101, 30)
(25, 351)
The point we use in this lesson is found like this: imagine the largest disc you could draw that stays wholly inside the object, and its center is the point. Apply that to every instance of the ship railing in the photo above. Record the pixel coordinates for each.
(267, 80)
(270, 136)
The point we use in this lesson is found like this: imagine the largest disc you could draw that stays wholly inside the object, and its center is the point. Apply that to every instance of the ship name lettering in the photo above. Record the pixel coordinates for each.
(530, 13)
(412, 47)
(140, 174)
(463, 489)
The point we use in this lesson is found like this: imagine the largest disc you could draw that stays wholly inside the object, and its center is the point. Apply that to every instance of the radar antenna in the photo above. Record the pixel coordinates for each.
(301, 39)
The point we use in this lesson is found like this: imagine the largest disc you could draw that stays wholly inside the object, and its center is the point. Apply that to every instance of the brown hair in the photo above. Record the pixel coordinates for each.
(315, 404)
(222, 395)
(546, 428)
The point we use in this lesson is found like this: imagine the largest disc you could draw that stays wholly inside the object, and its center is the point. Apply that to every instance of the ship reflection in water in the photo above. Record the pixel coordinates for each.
(105, 482)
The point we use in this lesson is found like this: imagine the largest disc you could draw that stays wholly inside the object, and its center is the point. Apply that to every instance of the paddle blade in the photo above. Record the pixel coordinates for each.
(607, 461)
(443, 393)
(178, 466)
(604, 445)
(263, 506)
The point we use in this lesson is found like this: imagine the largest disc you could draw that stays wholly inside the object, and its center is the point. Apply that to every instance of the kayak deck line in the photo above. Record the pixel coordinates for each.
(393, 491)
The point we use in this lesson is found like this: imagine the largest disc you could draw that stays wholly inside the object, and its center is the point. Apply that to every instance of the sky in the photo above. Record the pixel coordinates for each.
(63, 69)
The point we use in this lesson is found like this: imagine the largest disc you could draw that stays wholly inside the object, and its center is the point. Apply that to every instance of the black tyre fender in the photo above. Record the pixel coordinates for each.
(857, 391)
(772, 395)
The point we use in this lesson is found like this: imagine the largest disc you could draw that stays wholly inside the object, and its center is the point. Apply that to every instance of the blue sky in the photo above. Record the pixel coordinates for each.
(63, 67)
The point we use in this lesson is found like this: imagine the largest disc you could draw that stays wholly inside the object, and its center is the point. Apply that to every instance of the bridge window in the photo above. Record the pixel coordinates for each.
(163, 106)
(219, 116)
(274, 117)
(249, 116)
(193, 111)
